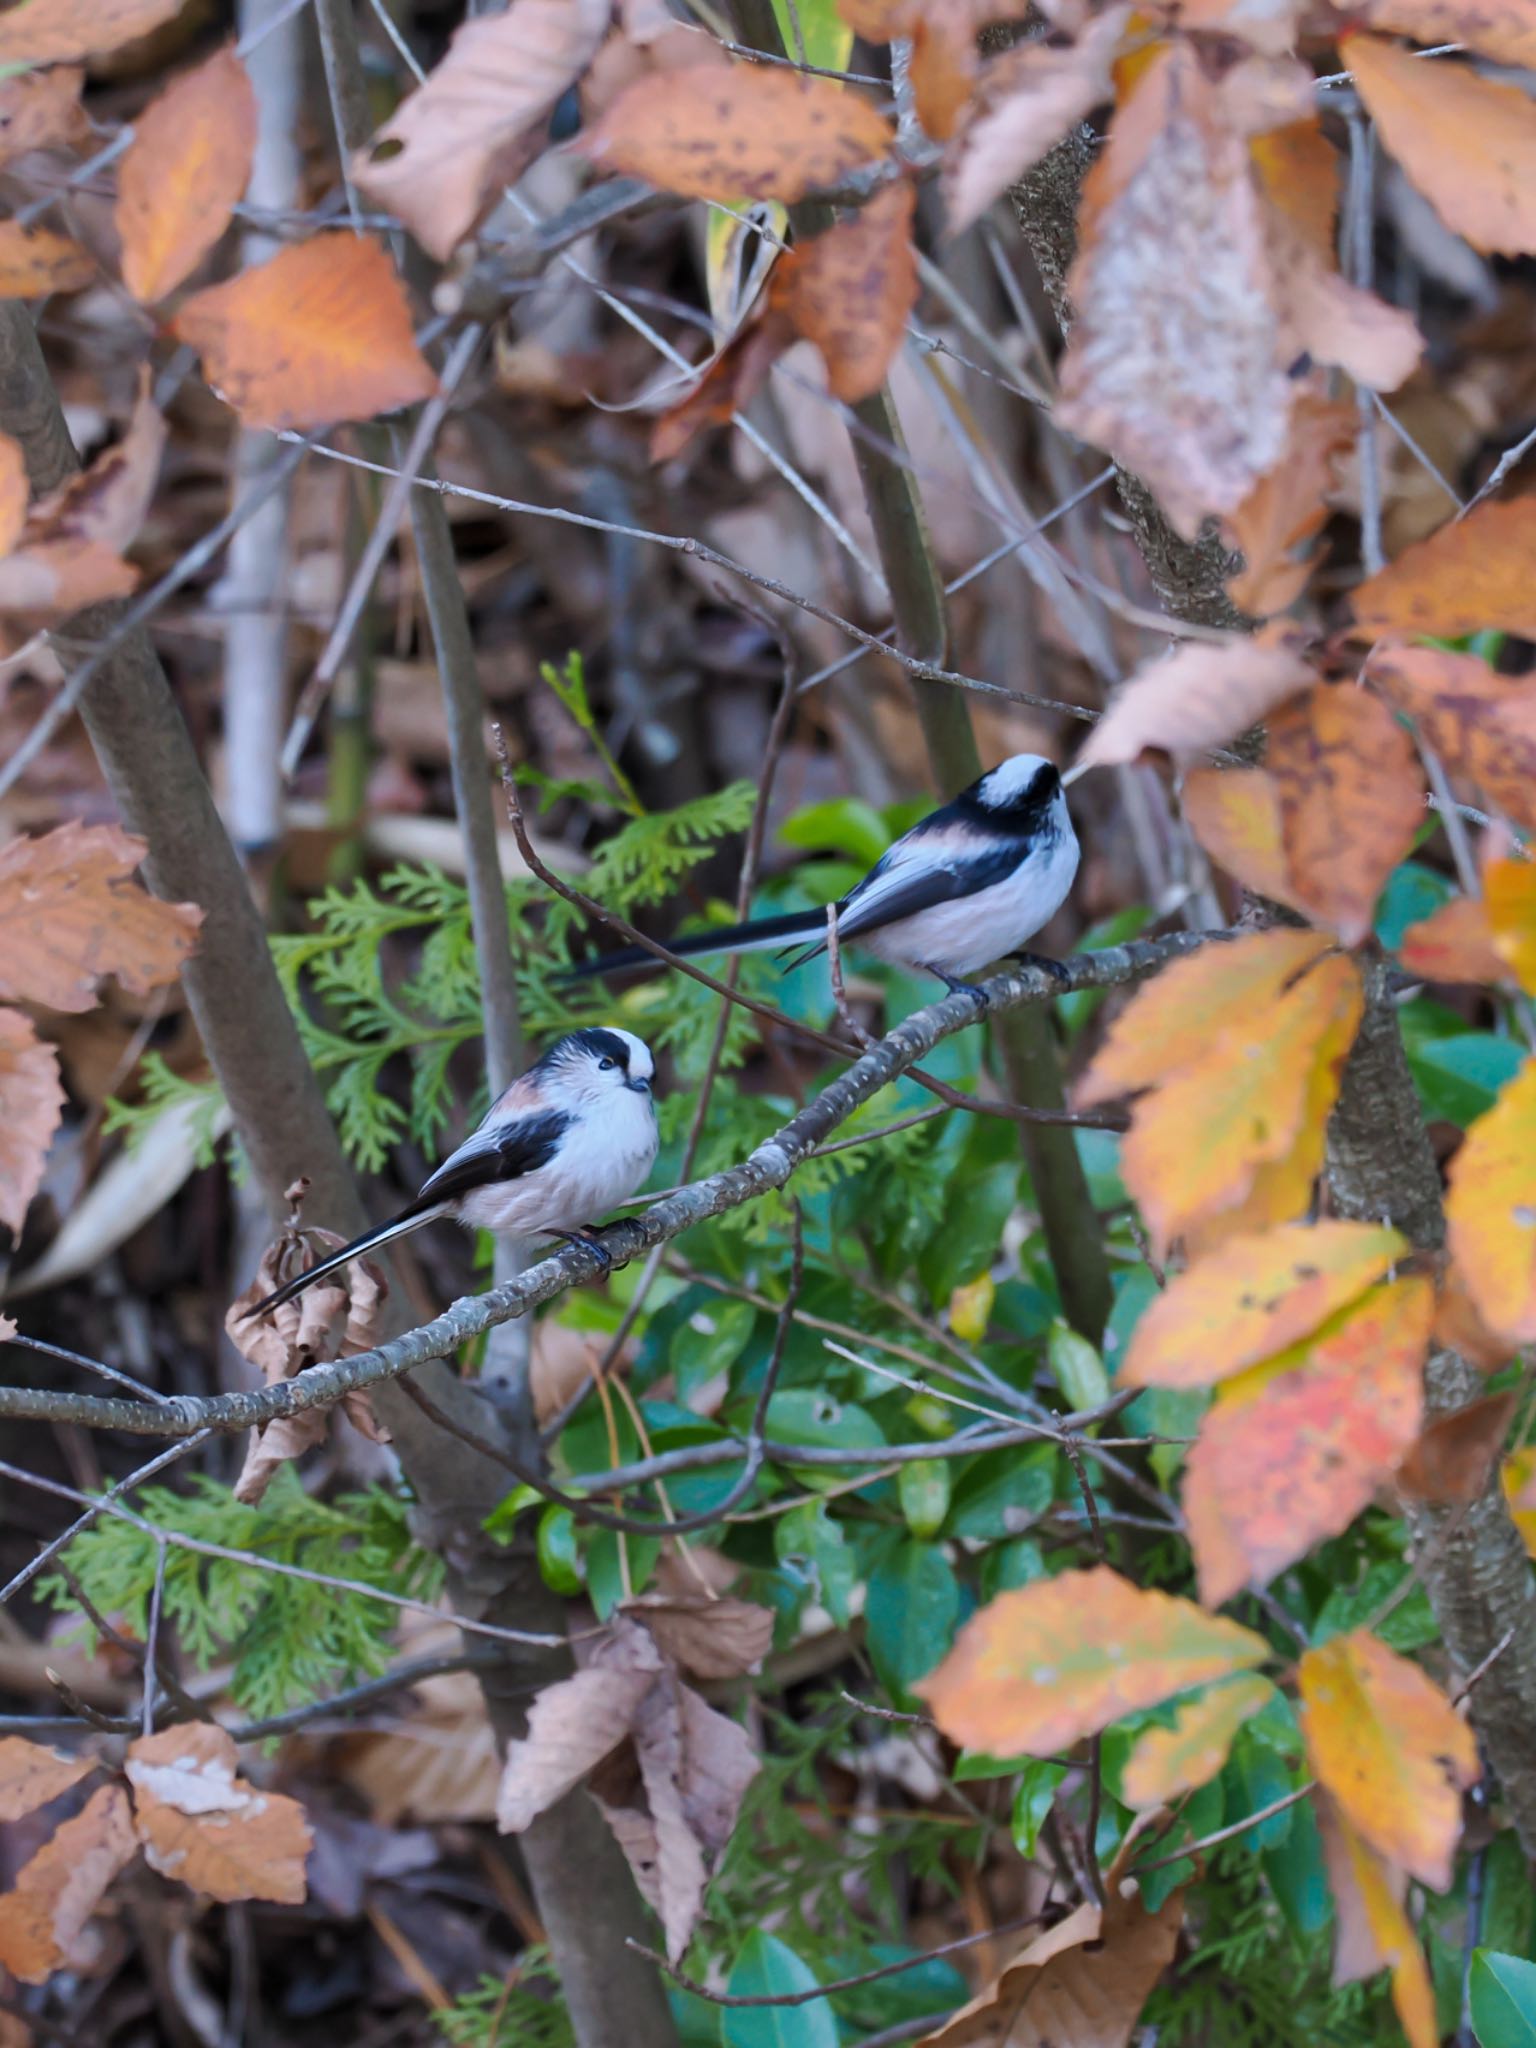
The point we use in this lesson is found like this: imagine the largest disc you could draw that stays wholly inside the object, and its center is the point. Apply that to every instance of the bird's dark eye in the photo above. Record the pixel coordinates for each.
(606, 1065)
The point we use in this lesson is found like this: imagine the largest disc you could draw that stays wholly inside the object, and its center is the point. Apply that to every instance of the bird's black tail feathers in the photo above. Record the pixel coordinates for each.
(408, 1220)
(727, 938)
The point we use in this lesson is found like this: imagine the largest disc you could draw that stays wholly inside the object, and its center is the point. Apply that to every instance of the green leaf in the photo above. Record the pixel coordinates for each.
(605, 1573)
(808, 1540)
(966, 1242)
(911, 1611)
(1503, 2000)
(1509, 1904)
(1077, 1368)
(1002, 1492)
(501, 1522)
(827, 40)
(1458, 1078)
(1032, 1802)
(1412, 894)
(922, 1487)
(768, 1968)
(709, 1343)
(1410, 1626)
(1007, 1565)
(801, 1415)
(1255, 1777)
(843, 825)
(559, 1551)
(1298, 1877)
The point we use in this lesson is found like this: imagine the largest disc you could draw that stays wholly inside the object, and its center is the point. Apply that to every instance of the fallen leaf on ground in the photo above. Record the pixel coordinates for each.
(1373, 1931)
(1275, 525)
(1235, 815)
(208, 1828)
(323, 332)
(1255, 1296)
(1490, 1210)
(1453, 943)
(1293, 1450)
(41, 110)
(1196, 697)
(44, 1915)
(1166, 1762)
(708, 1637)
(440, 162)
(36, 261)
(1452, 1459)
(1389, 1749)
(850, 291)
(1351, 801)
(1082, 1982)
(62, 31)
(1467, 142)
(30, 1774)
(186, 168)
(71, 912)
(1044, 1665)
(1472, 576)
(749, 131)
(31, 1101)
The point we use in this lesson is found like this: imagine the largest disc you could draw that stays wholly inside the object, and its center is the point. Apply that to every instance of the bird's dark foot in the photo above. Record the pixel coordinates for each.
(962, 988)
(593, 1243)
(1056, 968)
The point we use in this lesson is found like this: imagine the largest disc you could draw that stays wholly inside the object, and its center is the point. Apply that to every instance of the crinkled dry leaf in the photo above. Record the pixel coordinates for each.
(1289, 1456)
(1235, 815)
(1196, 697)
(1373, 1930)
(729, 382)
(1390, 1750)
(30, 1104)
(1255, 1296)
(71, 912)
(1453, 943)
(36, 261)
(1467, 142)
(1083, 1982)
(850, 291)
(709, 1637)
(1490, 1210)
(1452, 1459)
(186, 168)
(1168, 1761)
(1276, 523)
(749, 131)
(30, 1774)
(62, 31)
(208, 1828)
(1473, 576)
(43, 1917)
(41, 110)
(1482, 725)
(1351, 800)
(323, 332)
(1044, 1665)
(430, 1762)
(481, 117)
(573, 1725)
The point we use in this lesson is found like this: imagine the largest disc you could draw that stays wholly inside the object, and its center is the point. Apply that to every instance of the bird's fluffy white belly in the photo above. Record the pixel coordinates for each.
(599, 1164)
(971, 932)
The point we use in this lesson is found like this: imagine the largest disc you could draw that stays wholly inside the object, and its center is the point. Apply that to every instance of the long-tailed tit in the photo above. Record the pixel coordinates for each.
(568, 1141)
(968, 885)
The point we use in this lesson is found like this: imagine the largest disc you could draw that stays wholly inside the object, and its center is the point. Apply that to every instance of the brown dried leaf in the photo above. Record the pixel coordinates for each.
(205, 1826)
(41, 110)
(708, 1637)
(31, 1775)
(1351, 800)
(44, 1916)
(1452, 1459)
(323, 332)
(1483, 726)
(36, 261)
(14, 492)
(1299, 169)
(1474, 575)
(1196, 697)
(71, 912)
(729, 382)
(850, 291)
(574, 1724)
(186, 168)
(1285, 511)
(945, 64)
(481, 117)
(1502, 29)
(751, 131)
(1468, 143)
(30, 1104)
(1235, 815)
(62, 31)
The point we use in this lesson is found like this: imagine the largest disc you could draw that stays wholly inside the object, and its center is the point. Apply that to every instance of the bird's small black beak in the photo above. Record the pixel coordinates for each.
(638, 1086)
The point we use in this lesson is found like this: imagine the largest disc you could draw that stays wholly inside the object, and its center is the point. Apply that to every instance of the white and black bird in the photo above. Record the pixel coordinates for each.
(568, 1141)
(969, 884)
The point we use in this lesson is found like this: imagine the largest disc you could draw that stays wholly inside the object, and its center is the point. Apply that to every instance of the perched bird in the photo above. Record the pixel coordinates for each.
(568, 1141)
(966, 886)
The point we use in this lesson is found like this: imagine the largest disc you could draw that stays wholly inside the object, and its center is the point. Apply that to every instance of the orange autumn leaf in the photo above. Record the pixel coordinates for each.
(31, 1101)
(945, 64)
(31, 1775)
(727, 384)
(1389, 1749)
(1468, 143)
(1235, 815)
(1471, 576)
(321, 333)
(207, 1827)
(1509, 899)
(1459, 1327)
(36, 261)
(1253, 1093)
(747, 130)
(1276, 523)
(44, 1915)
(1482, 725)
(850, 291)
(14, 492)
(1196, 697)
(1254, 1297)
(1292, 1451)
(1502, 29)
(1299, 169)
(1456, 1452)
(1453, 943)
(185, 170)
(41, 110)
(1373, 1931)
(1044, 1665)
(62, 31)
(1351, 801)
(1518, 1479)
(1490, 1210)
(71, 912)
(1168, 1761)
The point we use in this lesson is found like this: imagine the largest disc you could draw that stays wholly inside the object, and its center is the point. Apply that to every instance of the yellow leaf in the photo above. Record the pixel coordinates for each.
(1519, 1482)
(1168, 1761)
(1472, 575)
(1235, 815)
(1373, 1930)
(1509, 896)
(970, 1309)
(35, 261)
(1490, 1210)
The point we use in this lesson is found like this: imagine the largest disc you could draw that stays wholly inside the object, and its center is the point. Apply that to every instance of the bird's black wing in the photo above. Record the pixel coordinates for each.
(503, 1153)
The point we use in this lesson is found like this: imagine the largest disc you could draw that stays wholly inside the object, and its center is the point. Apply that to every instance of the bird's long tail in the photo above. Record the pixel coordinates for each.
(752, 937)
(408, 1220)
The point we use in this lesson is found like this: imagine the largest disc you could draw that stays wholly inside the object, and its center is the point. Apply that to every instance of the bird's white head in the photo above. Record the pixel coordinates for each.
(1023, 784)
(596, 1065)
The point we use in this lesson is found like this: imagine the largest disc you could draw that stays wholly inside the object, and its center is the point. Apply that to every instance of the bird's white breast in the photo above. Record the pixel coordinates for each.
(600, 1162)
(972, 931)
